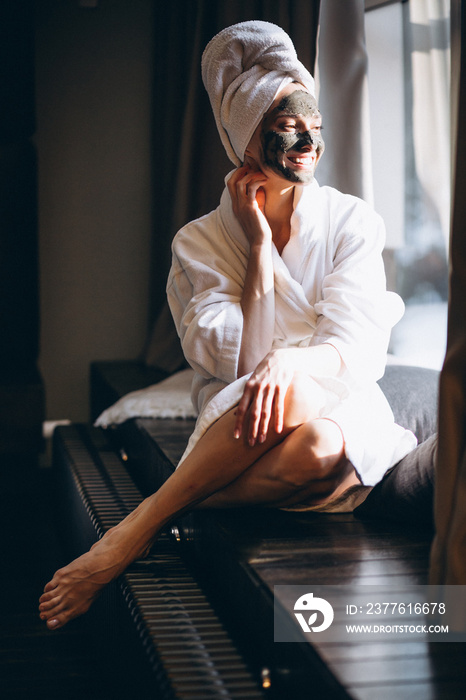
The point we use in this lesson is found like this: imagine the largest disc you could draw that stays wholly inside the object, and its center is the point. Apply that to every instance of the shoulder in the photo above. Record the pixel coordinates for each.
(347, 206)
(196, 236)
(352, 219)
(198, 227)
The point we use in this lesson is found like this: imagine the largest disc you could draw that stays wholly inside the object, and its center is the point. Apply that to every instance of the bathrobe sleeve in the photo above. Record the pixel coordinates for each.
(204, 293)
(355, 312)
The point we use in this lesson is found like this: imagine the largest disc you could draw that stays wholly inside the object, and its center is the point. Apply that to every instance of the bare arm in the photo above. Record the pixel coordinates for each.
(263, 400)
(257, 301)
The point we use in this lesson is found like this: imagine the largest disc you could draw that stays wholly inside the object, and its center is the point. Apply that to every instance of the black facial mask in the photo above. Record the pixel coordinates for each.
(276, 144)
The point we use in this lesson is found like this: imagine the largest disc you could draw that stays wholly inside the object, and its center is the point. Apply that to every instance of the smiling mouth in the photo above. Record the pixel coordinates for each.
(307, 160)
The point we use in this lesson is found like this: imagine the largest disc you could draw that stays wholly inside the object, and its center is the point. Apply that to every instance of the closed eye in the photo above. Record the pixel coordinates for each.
(296, 127)
(286, 126)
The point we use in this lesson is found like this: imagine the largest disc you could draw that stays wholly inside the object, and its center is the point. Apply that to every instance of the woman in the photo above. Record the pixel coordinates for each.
(280, 302)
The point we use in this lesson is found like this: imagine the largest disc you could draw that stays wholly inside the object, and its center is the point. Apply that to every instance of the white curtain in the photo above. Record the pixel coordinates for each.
(384, 40)
(343, 97)
(429, 30)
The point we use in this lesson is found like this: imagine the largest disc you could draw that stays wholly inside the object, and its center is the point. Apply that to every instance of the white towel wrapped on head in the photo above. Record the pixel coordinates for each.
(243, 69)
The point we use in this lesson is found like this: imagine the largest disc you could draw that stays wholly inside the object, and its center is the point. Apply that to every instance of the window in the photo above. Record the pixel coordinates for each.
(408, 85)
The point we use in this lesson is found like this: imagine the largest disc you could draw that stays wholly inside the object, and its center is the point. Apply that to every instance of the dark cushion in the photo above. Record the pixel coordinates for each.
(406, 493)
(412, 393)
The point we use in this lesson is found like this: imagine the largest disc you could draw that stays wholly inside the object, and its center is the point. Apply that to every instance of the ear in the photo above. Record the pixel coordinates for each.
(247, 153)
(249, 160)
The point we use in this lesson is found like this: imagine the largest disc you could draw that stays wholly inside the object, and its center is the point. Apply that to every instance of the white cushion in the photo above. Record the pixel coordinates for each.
(170, 398)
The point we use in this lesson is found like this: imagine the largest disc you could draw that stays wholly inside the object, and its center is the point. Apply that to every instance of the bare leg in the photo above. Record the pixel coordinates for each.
(309, 467)
(217, 460)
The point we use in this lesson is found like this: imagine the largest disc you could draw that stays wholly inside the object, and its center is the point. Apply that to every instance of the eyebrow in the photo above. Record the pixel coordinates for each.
(276, 114)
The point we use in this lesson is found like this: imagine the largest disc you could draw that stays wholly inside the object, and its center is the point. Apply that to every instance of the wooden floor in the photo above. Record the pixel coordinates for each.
(34, 663)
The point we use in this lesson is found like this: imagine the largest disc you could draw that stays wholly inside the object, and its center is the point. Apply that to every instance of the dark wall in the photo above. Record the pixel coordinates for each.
(94, 73)
(19, 315)
(21, 390)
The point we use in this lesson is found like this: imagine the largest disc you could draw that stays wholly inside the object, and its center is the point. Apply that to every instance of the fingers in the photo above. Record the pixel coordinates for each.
(244, 183)
(264, 412)
(255, 409)
(256, 414)
(242, 410)
(262, 405)
(279, 409)
(246, 188)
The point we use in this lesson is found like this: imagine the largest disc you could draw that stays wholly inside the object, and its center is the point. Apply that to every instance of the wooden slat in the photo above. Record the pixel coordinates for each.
(443, 690)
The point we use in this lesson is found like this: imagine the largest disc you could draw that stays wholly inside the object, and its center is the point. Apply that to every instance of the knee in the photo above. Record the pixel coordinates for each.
(303, 401)
(315, 452)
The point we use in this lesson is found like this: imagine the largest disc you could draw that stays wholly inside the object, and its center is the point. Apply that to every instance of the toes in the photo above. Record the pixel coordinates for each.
(56, 615)
(56, 622)
(50, 586)
(47, 612)
(49, 604)
(49, 599)
(59, 610)
(45, 597)
(61, 615)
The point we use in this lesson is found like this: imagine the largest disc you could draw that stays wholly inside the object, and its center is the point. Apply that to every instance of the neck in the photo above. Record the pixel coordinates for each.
(278, 210)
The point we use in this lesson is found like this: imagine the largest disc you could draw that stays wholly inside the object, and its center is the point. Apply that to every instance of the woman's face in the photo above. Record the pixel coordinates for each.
(289, 141)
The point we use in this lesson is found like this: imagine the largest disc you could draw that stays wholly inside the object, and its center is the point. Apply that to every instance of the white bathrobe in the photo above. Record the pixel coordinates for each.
(329, 288)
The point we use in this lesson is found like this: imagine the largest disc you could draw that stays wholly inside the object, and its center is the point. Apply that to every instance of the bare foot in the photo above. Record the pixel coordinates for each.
(73, 588)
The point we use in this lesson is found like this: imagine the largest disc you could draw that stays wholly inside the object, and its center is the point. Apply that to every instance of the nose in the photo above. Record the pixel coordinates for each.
(306, 138)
